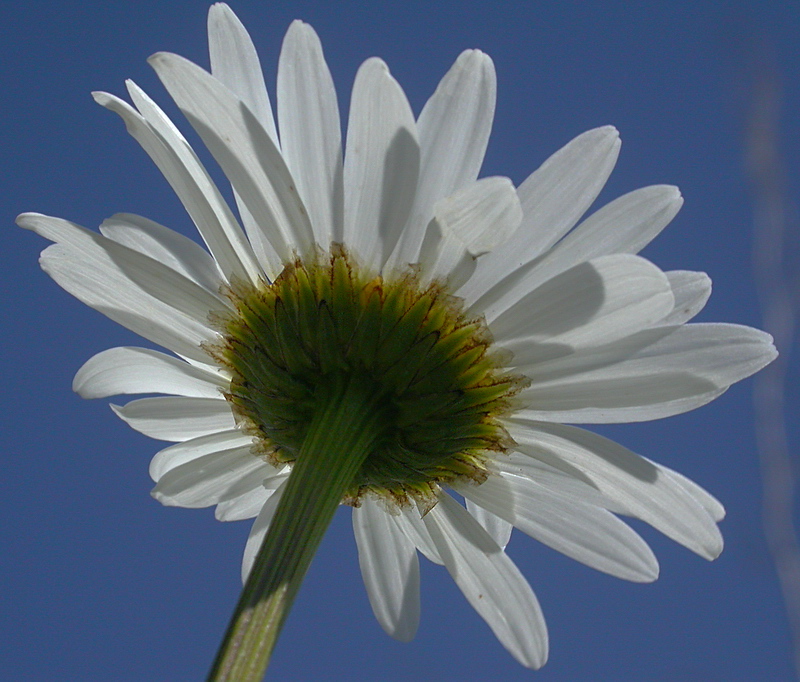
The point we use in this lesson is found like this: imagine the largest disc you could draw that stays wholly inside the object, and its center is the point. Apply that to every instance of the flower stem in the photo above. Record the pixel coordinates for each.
(343, 431)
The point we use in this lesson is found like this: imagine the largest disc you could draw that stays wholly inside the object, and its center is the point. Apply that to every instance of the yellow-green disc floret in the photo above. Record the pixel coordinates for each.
(426, 367)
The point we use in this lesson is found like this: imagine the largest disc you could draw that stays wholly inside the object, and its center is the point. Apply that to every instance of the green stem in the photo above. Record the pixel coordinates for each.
(342, 433)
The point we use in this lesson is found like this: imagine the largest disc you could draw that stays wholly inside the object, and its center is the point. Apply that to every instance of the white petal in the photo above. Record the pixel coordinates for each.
(182, 169)
(165, 284)
(466, 225)
(691, 291)
(245, 152)
(248, 505)
(311, 138)
(140, 370)
(381, 164)
(155, 278)
(685, 369)
(558, 193)
(490, 581)
(591, 304)
(558, 476)
(499, 529)
(258, 531)
(221, 228)
(625, 225)
(122, 270)
(235, 63)
(639, 487)
(177, 419)
(166, 246)
(582, 531)
(390, 569)
(409, 521)
(705, 499)
(265, 477)
(454, 129)
(553, 198)
(207, 480)
(244, 507)
(81, 265)
(176, 455)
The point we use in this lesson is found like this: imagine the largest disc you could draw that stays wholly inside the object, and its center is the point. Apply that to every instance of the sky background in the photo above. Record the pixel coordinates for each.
(100, 582)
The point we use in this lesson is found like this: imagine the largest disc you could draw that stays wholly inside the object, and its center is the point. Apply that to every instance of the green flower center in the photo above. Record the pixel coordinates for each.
(425, 366)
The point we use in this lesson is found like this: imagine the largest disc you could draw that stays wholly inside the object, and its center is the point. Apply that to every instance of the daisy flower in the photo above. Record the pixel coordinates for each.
(381, 328)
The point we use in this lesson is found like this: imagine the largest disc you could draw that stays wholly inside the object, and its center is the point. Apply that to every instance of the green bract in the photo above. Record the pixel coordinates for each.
(426, 367)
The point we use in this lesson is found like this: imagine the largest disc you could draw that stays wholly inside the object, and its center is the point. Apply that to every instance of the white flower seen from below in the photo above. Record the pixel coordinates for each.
(450, 327)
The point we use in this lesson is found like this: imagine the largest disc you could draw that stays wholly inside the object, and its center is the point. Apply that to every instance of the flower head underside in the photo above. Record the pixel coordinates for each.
(471, 322)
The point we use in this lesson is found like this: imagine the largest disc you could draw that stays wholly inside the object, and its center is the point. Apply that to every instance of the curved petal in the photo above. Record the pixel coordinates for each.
(705, 499)
(168, 149)
(311, 137)
(249, 504)
(246, 506)
(176, 455)
(466, 225)
(80, 264)
(625, 225)
(553, 198)
(390, 569)
(499, 529)
(410, 522)
(176, 419)
(687, 368)
(453, 129)
(247, 155)
(207, 480)
(156, 279)
(490, 581)
(235, 63)
(123, 370)
(166, 246)
(639, 487)
(381, 164)
(258, 531)
(592, 304)
(582, 531)
(691, 291)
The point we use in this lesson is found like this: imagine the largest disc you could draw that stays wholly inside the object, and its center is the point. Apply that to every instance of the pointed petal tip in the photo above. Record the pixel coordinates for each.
(24, 220)
(375, 63)
(712, 553)
(165, 500)
(299, 25)
(650, 575)
(304, 34)
(609, 130)
(402, 635)
(165, 59)
(100, 96)
(157, 58)
(476, 55)
(77, 385)
(218, 10)
(37, 222)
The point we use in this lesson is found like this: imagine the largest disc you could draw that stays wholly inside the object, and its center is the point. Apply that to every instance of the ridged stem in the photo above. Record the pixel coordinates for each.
(343, 431)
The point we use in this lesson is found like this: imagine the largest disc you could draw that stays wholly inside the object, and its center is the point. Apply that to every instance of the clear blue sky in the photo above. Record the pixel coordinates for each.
(100, 582)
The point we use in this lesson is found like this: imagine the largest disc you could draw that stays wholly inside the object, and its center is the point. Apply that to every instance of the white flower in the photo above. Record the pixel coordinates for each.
(598, 334)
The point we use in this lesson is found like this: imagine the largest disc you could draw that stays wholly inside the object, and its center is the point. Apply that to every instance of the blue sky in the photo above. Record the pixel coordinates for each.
(100, 582)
